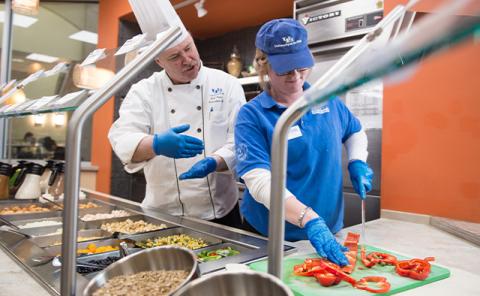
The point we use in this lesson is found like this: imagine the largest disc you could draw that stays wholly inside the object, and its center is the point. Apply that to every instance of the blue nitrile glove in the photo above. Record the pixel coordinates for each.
(324, 242)
(201, 169)
(361, 176)
(172, 144)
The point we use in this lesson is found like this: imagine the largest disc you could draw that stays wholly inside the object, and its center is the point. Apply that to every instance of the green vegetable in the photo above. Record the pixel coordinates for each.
(204, 256)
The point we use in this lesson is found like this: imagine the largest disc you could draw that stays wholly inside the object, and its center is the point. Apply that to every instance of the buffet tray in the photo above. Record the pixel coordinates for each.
(209, 240)
(56, 239)
(99, 223)
(57, 250)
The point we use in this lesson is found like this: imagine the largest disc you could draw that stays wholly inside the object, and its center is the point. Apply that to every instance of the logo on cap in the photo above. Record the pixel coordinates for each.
(288, 41)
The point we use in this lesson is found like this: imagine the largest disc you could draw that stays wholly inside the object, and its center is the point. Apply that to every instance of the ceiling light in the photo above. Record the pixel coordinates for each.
(28, 7)
(38, 119)
(19, 20)
(85, 36)
(59, 119)
(41, 58)
(201, 11)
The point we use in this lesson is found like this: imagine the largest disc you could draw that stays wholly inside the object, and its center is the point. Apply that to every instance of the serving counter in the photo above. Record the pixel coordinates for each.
(35, 254)
(413, 239)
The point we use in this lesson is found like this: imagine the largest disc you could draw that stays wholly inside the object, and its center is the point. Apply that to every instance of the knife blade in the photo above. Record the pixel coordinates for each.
(363, 221)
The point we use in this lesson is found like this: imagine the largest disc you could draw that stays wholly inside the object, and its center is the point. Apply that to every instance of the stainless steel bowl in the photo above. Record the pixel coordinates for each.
(158, 258)
(235, 283)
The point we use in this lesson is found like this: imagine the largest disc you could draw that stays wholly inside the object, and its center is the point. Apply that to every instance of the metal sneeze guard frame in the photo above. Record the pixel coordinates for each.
(395, 55)
(74, 135)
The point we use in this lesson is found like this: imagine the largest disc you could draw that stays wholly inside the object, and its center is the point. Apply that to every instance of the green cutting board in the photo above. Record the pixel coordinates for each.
(306, 286)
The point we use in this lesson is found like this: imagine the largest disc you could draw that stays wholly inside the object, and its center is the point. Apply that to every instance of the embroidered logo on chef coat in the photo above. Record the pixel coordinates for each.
(217, 95)
(241, 151)
(320, 108)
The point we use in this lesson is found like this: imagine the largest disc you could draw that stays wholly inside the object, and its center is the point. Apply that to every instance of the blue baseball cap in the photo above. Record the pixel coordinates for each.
(284, 41)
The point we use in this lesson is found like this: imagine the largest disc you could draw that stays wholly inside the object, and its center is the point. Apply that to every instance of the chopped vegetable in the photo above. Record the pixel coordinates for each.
(205, 256)
(382, 286)
(417, 269)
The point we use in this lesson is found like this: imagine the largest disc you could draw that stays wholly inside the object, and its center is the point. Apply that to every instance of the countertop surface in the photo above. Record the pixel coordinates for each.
(407, 238)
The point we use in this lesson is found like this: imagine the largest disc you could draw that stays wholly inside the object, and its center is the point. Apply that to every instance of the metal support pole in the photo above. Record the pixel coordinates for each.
(74, 135)
(6, 66)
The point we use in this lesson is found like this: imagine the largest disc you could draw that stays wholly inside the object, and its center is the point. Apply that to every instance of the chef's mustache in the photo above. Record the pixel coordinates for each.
(190, 65)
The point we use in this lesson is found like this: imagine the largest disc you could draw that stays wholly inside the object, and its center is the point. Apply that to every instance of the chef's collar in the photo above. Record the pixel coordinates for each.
(268, 102)
(199, 80)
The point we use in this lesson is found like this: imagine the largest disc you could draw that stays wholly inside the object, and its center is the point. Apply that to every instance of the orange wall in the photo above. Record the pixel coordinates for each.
(109, 12)
(431, 142)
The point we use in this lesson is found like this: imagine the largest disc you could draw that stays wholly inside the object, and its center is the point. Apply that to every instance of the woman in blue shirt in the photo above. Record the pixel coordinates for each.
(313, 199)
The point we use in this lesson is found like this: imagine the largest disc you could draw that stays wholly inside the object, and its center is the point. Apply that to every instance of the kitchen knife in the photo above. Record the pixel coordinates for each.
(363, 221)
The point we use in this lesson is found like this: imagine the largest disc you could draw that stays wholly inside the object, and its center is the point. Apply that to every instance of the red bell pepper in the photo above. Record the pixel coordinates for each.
(335, 270)
(326, 279)
(351, 242)
(417, 269)
(382, 285)
(376, 257)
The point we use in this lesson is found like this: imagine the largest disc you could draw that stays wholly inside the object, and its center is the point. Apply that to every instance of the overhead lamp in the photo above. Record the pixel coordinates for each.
(19, 20)
(59, 119)
(41, 58)
(85, 36)
(39, 119)
(91, 77)
(201, 11)
(27, 7)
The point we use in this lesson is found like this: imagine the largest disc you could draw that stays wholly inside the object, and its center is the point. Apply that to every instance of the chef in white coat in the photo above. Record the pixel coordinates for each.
(177, 125)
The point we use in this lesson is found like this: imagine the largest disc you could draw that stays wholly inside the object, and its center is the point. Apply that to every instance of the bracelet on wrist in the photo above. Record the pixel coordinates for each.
(302, 216)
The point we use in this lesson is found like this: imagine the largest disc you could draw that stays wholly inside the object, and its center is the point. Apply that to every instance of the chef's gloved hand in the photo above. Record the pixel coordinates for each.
(361, 176)
(324, 242)
(201, 169)
(175, 145)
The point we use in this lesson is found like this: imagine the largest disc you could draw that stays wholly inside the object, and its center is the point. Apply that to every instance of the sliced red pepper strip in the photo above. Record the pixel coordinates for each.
(382, 258)
(326, 279)
(351, 242)
(417, 269)
(335, 270)
(381, 282)
(368, 262)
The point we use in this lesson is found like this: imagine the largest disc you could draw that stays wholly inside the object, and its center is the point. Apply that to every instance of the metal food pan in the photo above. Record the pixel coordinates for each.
(98, 223)
(19, 223)
(209, 240)
(105, 209)
(51, 210)
(56, 239)
(32, 216)
(57, 250)
(48, 230)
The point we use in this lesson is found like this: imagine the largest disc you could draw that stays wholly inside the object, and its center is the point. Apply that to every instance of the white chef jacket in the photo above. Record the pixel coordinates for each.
(209, 104)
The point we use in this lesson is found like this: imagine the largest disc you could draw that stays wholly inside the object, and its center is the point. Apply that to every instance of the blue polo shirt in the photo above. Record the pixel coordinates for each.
(314, 164)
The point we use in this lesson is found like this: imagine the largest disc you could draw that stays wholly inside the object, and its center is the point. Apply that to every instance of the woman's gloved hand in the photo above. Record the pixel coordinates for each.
(361, 176)
(324, 242)
(201, 169)
(172, 144)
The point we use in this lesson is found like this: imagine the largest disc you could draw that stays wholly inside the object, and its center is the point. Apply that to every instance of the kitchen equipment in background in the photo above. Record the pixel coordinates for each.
(5, 173)
(245, 282)
(15, 173)
(56, 181)
(28, 182)
(46, 175)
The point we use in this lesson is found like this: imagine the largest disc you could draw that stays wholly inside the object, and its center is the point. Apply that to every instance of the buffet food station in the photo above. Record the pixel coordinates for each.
(106, 221)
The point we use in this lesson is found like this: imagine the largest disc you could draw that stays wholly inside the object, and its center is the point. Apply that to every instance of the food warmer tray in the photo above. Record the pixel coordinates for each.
(22, 250)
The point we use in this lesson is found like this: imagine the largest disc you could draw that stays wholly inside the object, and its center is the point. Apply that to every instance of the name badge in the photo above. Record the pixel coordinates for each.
(320, 109)
(294, 132)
